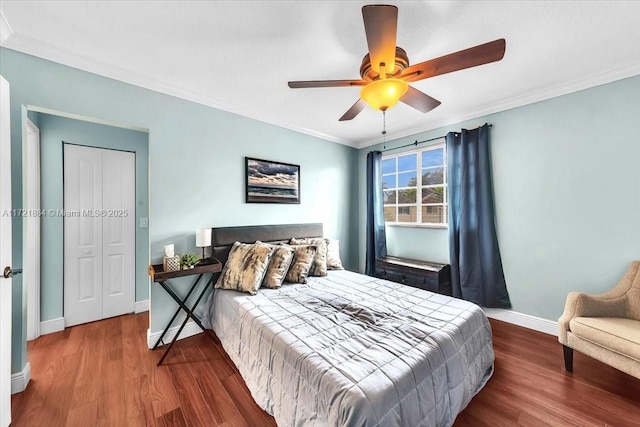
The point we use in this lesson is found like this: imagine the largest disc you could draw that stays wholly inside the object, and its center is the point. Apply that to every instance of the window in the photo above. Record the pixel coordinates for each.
(415, 186)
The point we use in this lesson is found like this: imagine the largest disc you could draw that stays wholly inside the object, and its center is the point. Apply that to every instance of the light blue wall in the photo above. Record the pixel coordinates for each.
(53, 131)
(196, 166)
(567, 189)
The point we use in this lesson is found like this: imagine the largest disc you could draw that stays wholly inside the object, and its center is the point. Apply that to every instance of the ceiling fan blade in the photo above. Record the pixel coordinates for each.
(326, 83)
(419, 100)
(381, 27)
(353, 111)
(467, 58)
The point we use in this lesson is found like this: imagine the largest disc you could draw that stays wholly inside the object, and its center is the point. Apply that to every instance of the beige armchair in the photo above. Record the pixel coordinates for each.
(605, 326)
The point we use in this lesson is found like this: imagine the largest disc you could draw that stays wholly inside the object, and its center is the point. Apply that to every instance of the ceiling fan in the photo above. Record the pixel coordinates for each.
(385, 70)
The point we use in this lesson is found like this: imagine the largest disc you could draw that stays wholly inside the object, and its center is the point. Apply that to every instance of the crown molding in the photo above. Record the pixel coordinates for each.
(520, 100)
(5, 28)
(23, 44)
(42, 50)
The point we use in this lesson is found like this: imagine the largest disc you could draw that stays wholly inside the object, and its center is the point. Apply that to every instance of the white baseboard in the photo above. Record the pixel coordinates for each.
(141, 306)
(524, 320)
(19, 380)
(51, 326)
(190, 329)
(57, 325)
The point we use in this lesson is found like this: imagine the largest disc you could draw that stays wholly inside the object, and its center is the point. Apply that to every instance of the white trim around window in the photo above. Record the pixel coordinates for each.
(415, 187)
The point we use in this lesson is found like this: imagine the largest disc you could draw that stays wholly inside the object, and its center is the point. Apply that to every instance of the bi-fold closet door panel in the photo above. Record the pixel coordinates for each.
(118, 233)
(99, 233)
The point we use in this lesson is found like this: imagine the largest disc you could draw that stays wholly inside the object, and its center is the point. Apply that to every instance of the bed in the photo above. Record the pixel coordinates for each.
(348, 349)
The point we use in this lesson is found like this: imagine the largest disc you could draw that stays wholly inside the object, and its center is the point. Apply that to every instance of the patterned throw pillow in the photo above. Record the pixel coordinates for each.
(333, 255)
(319, 266)
(301, 264)
(245, 267)
(278, 266)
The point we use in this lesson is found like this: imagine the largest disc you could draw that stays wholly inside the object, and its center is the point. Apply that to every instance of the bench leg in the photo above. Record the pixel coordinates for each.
(568, 358)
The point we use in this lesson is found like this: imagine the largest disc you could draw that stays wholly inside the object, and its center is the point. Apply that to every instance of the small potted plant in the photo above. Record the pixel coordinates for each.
(188, 260)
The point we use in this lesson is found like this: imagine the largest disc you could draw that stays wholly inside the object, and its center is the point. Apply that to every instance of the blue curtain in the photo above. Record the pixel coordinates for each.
(376, 237)
(476, 266)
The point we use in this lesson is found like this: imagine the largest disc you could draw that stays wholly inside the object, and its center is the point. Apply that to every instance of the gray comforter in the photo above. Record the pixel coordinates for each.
(352, 350)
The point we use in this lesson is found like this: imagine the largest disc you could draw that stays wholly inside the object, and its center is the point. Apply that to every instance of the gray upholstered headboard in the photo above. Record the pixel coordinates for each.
(223, 238)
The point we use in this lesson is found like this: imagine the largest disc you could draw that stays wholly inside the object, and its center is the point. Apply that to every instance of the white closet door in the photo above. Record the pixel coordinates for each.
(99, 257)
(82, 235)
(118, 231)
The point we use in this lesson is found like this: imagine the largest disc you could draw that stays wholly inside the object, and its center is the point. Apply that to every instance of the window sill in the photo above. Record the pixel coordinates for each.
(399, 224)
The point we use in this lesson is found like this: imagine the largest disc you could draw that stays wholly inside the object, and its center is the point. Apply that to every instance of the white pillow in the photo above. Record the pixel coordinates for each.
(333, 255)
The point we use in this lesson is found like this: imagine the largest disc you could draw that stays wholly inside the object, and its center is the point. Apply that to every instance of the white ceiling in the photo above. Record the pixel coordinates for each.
(239, 55)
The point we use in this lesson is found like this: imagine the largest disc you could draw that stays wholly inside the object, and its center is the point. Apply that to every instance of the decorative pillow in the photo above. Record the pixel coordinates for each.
(245, 267)
(319, 266)
(301, 264)
(278, 266)
(333, 255)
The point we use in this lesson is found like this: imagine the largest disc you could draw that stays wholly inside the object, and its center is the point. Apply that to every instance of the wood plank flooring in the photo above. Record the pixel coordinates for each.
(102, 374)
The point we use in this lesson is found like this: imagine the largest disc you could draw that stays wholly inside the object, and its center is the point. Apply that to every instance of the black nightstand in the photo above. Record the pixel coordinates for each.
(158, 275)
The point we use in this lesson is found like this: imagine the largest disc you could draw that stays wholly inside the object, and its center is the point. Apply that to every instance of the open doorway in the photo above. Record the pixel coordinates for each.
(54, 128)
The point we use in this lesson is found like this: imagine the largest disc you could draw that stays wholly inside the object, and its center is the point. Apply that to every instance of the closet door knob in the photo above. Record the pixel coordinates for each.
(8, 272)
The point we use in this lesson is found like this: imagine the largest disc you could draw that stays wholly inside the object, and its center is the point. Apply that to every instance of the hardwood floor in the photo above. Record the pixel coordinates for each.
(102, 374)
(531, 388)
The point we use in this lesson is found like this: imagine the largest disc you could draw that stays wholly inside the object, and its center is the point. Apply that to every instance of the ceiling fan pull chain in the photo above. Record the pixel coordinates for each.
(384, 129)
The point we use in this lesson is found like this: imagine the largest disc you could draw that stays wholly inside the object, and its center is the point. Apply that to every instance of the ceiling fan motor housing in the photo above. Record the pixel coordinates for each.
(401, 62)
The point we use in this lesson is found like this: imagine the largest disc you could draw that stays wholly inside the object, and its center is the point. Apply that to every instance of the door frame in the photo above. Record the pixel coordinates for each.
(31, 229)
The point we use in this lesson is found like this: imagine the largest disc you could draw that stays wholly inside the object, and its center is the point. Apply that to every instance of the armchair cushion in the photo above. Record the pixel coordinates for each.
(614, 333)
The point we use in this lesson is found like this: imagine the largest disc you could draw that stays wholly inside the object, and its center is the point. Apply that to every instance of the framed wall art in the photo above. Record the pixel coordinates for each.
(271, 182)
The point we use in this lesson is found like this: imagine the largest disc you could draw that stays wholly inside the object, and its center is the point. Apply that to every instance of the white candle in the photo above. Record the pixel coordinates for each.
(203, 237)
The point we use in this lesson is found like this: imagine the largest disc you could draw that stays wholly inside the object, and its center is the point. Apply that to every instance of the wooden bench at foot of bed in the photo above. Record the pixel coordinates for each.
(426, 275)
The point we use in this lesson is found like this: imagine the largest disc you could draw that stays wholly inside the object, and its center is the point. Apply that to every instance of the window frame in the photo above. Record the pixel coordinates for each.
(419, 186)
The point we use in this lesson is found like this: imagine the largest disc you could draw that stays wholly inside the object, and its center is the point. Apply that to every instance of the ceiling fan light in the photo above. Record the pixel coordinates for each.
(384, 94)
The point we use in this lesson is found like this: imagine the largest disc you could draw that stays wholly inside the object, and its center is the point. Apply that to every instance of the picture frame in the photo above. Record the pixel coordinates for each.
(269, 181)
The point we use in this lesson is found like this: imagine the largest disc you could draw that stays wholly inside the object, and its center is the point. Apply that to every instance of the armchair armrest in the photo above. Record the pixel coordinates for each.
(621, 301)
(583, 305)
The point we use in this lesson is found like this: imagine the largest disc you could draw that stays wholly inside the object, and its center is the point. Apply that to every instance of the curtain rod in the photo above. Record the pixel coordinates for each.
(420, 142)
